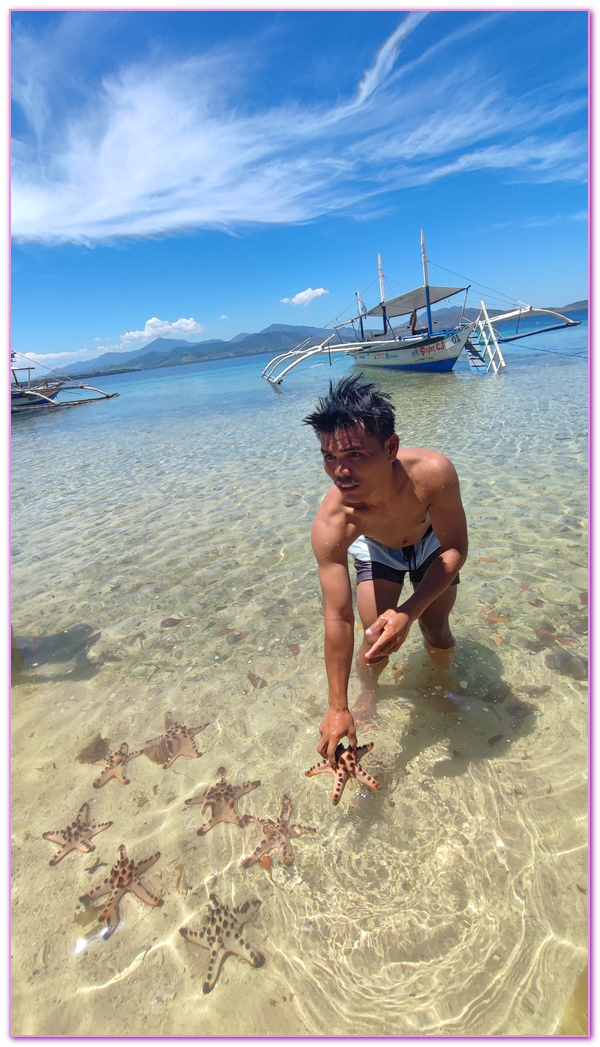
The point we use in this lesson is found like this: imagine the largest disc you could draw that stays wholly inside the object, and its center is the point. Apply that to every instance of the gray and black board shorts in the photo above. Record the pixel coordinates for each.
(373, 560)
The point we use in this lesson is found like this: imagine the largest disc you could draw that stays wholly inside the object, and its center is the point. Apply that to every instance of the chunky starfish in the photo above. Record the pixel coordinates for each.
(347, 767)
(177, 741)
(115, 765)
(76, 837)
(221, 934)
(275, 835)
(123, 877)
(219, 803)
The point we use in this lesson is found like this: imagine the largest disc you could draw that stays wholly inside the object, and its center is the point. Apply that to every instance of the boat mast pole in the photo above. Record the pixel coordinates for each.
(426, 283)
(382, 293)
(360, 315)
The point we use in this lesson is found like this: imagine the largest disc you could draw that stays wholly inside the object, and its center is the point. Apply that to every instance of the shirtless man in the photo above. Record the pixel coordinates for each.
(397, 510)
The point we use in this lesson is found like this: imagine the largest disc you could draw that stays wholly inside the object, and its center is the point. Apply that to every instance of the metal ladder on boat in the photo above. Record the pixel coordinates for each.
(482, 349)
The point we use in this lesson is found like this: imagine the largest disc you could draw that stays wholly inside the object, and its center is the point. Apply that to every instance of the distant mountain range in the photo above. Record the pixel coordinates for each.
(277, 338)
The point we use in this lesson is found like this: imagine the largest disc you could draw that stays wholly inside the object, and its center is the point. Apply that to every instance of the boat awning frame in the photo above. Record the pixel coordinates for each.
(406, 303)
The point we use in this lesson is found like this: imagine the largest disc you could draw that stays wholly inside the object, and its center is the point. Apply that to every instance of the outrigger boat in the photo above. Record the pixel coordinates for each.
(414, 348)
(29, 393)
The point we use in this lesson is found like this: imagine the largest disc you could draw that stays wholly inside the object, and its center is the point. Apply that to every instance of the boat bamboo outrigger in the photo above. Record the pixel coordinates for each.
(28, 393)
(414, 348)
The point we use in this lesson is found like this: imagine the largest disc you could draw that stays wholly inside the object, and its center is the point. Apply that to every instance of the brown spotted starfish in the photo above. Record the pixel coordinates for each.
(221, 934)
(275, 835)
(178, 741)
(123, 877)
(76, 837)
(115, 765)
(347, 766)
(219, 803)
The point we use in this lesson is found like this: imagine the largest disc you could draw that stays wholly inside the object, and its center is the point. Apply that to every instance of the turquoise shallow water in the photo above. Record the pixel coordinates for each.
(454, 900)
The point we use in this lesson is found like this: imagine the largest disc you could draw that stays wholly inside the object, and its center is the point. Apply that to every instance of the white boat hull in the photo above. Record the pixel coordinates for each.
(435, 353)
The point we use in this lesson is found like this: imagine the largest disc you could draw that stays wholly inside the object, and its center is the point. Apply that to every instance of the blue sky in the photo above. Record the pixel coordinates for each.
(197, 174)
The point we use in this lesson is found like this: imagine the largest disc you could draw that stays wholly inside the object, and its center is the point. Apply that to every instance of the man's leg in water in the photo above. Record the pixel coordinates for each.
(435, 628)
(373, 597)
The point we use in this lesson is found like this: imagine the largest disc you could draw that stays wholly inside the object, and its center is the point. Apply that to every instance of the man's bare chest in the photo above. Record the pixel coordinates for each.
(403, 524)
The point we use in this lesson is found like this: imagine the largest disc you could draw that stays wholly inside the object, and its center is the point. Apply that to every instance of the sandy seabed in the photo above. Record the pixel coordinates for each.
(454, 900)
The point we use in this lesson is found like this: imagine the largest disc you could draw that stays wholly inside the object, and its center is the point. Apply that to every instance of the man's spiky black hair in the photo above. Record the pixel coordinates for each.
(354, 401)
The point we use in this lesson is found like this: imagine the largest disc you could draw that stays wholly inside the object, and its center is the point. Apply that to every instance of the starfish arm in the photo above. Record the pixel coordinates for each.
(214, 966)
(241, 948)
(93, 830)
(96, 892)
(365, 778)
(263, 848)
(286, 810)
(140, 867)
(111, 915)
(287, 850)
(250, 819)
(196, 937)
(247, 911)
(154, 741)
(320, 768)
(56, 836)
(83, 816)
(201, 799)
(363, 750)
(338, 786)
(140, 892)
(60, 854)
(83, 845)
(301, 830)
(246, 787)
(207, 825)
(196, 730)
(103, 778)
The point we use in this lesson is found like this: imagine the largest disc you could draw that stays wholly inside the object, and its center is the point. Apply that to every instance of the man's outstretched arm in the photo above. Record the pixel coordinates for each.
(339, 644)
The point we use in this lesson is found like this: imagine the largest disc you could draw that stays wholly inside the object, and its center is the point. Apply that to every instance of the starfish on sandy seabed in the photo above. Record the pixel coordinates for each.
(347, 767)
(123, 877)
(219, 803)
(221, 934)
(177, 741)
(115, 765)
(76, 836)
(275, 835)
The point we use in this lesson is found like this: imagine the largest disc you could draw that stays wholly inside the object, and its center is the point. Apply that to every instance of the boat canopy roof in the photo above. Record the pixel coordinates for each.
(405, 303)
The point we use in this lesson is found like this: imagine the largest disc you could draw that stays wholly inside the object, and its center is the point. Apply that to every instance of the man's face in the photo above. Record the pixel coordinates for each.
(356, 463)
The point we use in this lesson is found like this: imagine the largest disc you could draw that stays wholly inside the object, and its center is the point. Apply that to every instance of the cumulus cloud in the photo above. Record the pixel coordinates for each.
(304, 297)
(155, 328)
(163, 146)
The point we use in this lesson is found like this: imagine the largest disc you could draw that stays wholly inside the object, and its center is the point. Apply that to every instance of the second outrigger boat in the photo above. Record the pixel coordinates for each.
(28, 394)
(411, 347)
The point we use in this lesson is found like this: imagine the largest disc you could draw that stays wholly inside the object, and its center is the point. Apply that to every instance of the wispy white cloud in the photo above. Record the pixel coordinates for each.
(155, 150)
(57, 361)
(182, 329)
(304, 297)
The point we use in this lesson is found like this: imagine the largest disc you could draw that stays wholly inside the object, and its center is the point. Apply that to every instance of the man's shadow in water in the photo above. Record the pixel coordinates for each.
(28, 654)
(477, 722)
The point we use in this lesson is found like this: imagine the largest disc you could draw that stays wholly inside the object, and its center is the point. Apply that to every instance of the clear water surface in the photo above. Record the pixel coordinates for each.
(454, 900)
